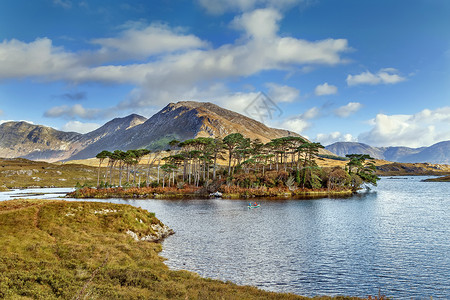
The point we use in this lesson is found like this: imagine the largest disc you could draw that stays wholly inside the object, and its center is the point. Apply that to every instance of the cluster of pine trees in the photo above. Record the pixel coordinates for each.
(288, 161)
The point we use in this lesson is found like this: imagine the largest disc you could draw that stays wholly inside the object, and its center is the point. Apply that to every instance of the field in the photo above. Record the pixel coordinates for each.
(19, 173)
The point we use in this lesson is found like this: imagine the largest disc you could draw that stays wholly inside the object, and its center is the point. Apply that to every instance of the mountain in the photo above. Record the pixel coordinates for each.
(22, 139)
(438, 153)
(343, 148)
(108, 137)
(182, 120)
(188, 119)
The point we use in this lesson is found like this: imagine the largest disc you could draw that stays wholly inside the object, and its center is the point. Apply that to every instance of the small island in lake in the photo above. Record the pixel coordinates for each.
(283, 167)
(438, 179)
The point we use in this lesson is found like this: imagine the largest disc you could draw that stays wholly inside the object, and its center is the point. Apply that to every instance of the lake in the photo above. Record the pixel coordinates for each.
(395, 239)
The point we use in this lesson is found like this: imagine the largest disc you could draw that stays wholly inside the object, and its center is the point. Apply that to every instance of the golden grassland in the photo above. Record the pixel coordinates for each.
(20, 173)
(80, 250)
(438, 179)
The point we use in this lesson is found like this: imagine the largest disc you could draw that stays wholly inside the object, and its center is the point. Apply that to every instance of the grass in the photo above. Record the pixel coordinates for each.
(21, 173)
(410, 169)
(438, 179)
(80, 250)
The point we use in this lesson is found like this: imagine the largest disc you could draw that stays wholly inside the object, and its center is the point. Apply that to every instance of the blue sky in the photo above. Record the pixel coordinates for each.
(376, 72)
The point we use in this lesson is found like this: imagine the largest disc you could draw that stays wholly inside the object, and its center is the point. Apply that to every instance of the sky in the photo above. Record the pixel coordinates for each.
(376, 72)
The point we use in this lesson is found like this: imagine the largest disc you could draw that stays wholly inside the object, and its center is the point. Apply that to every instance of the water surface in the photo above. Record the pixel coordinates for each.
(395, 239)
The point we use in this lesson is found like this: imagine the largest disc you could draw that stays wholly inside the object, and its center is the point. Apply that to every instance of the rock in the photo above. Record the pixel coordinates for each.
(161, 232)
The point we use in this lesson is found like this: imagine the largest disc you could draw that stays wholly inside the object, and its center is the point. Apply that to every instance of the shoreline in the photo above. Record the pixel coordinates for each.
(99, 249)
(199, 193)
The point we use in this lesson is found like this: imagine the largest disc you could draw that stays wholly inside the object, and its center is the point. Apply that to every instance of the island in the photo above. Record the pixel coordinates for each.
(438, 179)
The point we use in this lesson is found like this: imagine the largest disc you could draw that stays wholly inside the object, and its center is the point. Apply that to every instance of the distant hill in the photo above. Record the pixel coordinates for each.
(36, 142)
(182, 120)
(438, 153)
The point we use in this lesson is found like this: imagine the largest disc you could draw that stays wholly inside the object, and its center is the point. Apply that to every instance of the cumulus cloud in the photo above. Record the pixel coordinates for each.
(421, 129)
(325, 89)
(71, 112)
(298, 123)
(295, 124)
(330, 138)
(37, 58)
(282, 93)
(154, 39)
(77, 126)
(258, 24)
(384, 76)
(311, 113)
(170, 64)
(260, 51)
(348, 109)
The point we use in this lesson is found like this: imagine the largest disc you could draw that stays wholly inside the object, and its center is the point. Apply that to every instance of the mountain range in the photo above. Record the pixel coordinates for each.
(181, 121)
(438, 153)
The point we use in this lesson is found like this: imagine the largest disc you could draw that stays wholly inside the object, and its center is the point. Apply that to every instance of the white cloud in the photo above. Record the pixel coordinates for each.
(384, 76)
(348, 109)
(74, 111)
(37, 58)
(80, 127)
(330, 138)
(296, 124)
(325, 89)
(258, 24)
(421, 129)
(138, 42)
(238, 102)
(176, 65)
(311, 113)
(282, 93)
(1, 112)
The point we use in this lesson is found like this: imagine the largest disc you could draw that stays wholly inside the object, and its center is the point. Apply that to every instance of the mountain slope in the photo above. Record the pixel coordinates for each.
(22, 139)
(438, 153)
(188, 119)
(344, 148)
(182, 120)
(108, 137)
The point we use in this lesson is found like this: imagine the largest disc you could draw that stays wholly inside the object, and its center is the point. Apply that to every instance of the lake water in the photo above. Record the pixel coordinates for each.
(395, 239)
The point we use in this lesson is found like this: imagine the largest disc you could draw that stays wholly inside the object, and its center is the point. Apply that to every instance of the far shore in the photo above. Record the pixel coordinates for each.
(438, 179)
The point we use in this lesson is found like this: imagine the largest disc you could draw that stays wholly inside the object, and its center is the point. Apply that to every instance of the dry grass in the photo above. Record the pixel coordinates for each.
(19, 173)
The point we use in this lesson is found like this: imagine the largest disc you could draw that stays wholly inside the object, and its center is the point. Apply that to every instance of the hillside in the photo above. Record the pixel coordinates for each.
(182, 120)
(107, 137)
(188, 119)
(23, 173)
(22, 139)
(438, 153)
